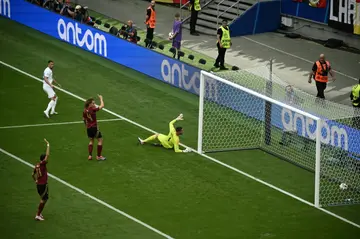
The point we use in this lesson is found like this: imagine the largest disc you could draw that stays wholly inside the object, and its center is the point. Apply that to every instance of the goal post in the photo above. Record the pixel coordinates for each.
(233, 117)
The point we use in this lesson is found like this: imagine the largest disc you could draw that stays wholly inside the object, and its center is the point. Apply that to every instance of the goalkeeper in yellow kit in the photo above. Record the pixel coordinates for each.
(170, 141)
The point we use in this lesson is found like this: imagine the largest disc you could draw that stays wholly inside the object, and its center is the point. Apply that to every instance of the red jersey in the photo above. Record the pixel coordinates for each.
(41, 172)
(89, 116)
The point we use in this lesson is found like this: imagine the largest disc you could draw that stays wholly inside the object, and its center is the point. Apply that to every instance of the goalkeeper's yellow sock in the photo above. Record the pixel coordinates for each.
(153, 137)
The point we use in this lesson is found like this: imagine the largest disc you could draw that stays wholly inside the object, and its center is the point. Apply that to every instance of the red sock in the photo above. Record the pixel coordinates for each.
(40, 208)
(99, 149)
(90, 147)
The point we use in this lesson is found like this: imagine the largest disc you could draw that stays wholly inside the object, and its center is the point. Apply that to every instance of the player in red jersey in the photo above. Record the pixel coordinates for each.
(40, 177)
(89, 117)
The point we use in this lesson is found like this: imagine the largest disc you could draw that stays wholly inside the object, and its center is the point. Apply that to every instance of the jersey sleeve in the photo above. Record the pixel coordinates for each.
(176, 143)
(172, 127)
(92, 110)
(47, 73)
(176, 28)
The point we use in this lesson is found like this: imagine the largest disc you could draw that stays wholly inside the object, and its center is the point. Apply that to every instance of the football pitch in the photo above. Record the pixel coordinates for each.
(139, 191)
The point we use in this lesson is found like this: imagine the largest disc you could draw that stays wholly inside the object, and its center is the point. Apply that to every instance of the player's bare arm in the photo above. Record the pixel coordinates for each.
(101, 106)
(34, 175)
(47, 150)
(57, 83)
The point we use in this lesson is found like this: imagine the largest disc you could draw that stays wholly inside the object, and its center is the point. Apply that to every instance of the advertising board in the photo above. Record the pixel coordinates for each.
(170, 71)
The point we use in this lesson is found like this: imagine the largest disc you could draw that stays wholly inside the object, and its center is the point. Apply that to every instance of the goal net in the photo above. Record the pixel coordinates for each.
(254, 109)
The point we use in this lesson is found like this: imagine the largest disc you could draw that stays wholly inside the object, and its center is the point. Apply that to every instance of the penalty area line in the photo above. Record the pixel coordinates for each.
(201, 154)
(89, 196)
(53, 124)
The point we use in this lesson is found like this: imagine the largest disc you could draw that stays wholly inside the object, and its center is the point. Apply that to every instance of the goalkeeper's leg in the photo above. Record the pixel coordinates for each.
(151, 138)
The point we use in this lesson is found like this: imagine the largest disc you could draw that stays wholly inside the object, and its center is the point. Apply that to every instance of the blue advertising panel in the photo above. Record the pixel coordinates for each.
(104, 44)
(170, 71)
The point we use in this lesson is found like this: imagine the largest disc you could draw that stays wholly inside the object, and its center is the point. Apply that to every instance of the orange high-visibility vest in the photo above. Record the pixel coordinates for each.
(152, 19)
(322, 71)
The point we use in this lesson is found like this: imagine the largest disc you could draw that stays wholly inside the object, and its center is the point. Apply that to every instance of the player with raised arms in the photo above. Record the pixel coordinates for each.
(170, 141)
(40, 177)
(89, 117)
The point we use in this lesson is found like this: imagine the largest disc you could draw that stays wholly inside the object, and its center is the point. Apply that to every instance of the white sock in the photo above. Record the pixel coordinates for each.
(54, 105)
(50, 105)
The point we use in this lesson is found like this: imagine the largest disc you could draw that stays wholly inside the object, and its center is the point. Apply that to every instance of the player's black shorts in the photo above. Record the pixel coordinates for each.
(94, 133)
(43, 191)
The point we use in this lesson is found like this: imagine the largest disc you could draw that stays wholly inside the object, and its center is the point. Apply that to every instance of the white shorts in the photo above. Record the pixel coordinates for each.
(49, 91)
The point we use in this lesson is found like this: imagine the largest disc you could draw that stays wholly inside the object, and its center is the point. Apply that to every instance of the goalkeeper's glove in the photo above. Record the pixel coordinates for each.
(187, 150)
(180, 117)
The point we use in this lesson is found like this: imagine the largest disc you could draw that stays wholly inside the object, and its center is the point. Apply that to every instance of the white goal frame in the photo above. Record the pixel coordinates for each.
(266, 99)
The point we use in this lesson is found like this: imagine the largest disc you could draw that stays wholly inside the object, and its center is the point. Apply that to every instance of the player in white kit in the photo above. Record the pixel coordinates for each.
(49, 89)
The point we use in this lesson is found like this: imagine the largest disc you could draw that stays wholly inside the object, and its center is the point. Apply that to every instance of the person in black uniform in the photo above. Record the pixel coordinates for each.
(194, 8)
(222, 44)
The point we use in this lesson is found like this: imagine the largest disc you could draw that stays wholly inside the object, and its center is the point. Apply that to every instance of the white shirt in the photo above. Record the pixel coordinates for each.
(49, 74)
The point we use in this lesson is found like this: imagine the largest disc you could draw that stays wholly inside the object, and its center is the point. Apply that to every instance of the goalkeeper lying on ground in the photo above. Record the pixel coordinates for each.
(171, 140)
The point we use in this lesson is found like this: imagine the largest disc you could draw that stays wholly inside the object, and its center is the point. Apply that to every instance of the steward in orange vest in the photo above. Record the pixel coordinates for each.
(320, 71)
(150, 24)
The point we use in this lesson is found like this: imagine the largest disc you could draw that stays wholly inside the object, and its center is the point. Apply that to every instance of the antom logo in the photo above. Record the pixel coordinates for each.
(5, 9)
(306, 127)
(73, 34)
(178, 76)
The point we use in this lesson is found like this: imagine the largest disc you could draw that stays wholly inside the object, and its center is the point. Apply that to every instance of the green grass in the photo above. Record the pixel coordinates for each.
(183, 195)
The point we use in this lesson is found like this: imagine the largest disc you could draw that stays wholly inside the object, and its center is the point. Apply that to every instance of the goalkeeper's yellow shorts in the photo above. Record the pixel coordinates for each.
(164, 141)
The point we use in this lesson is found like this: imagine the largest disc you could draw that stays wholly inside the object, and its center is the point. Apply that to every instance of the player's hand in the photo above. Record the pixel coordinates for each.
(47, 142)
(309, 81)
(187, 150)
(180, 117)
(100, 96)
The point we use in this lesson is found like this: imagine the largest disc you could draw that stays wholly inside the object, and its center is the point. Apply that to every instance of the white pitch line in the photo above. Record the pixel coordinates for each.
(89, 196)
(295, 56)
(52, 124)
(204, 155)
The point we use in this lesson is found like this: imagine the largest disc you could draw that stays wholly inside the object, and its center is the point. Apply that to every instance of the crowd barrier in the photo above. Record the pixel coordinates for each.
(163, 68)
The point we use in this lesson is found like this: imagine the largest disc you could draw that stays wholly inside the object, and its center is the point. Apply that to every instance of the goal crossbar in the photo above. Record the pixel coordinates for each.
(216, 80)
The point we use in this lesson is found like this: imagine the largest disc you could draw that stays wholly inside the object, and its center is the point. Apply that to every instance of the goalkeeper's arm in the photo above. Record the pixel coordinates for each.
(178, 150)
(171, 124)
